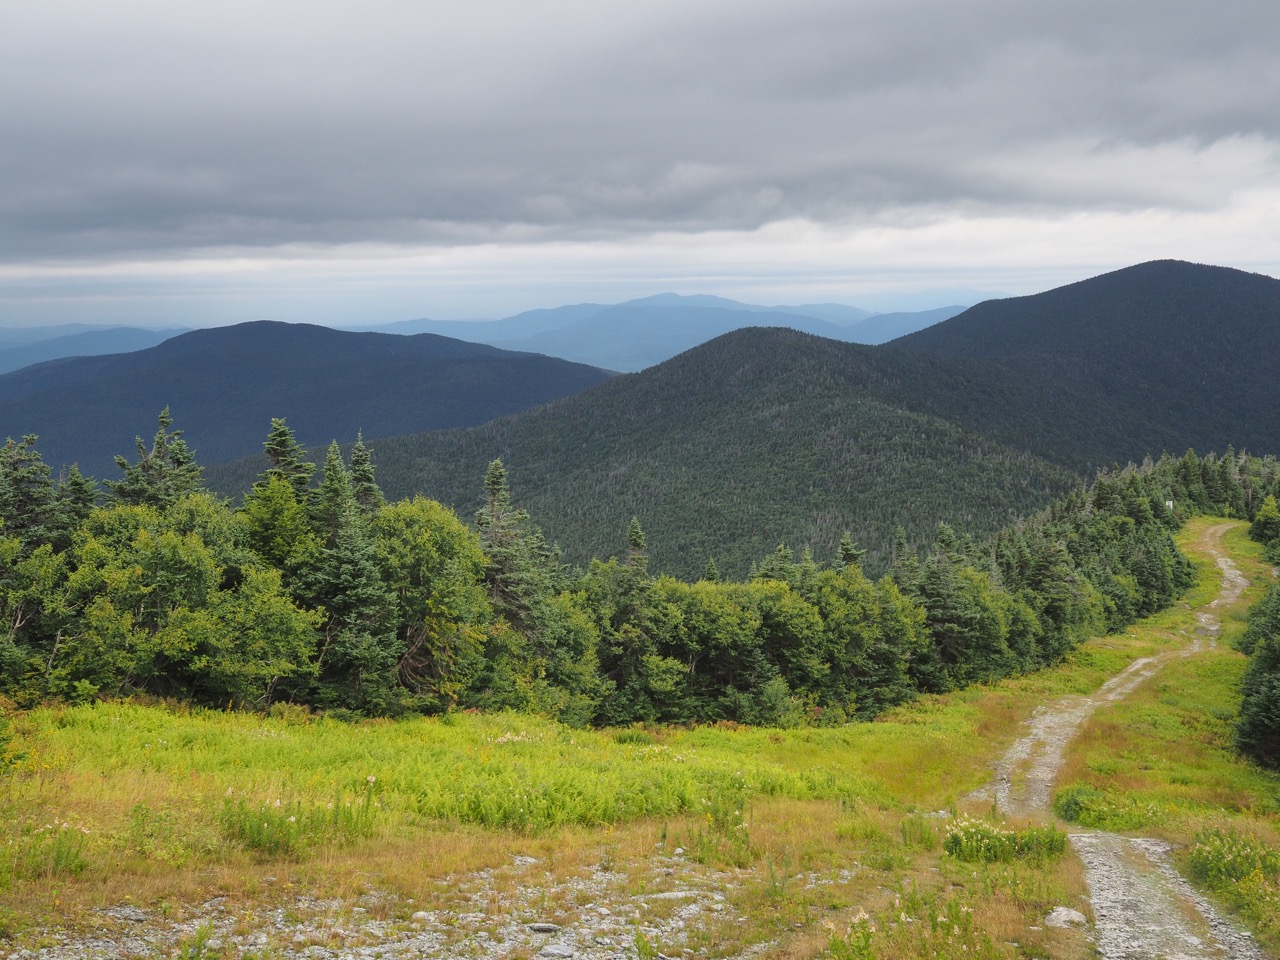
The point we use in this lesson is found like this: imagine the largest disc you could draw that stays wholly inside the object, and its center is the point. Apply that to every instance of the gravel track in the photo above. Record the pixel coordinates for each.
(1142, 908)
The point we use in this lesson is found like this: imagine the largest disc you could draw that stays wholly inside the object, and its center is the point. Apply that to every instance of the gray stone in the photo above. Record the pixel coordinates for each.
(132, 914)
(560, 950)
(542, 926)
(1064, 917)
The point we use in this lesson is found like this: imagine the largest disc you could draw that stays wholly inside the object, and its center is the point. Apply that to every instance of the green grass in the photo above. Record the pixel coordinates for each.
(166, 804)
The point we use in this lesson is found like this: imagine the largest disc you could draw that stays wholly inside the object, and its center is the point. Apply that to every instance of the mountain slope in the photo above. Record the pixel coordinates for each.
(766, 435)
(1191, 347)
(761, 436)
(225, 384)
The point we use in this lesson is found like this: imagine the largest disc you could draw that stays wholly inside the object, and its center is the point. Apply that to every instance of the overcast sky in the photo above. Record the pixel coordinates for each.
(213, 162)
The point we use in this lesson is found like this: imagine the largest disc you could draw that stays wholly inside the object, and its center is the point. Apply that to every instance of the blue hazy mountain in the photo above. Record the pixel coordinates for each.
(223, 386)
(91, 342)
(639, 333)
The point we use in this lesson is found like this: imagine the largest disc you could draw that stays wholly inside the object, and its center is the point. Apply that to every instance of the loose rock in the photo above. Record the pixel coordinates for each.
(1064, 917)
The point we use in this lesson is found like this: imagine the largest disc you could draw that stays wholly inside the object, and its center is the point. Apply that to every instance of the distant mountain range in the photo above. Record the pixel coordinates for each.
(640, 333)
(760, 435)
(24, 346)
(628, 336)
(224, 385)
(766, 435)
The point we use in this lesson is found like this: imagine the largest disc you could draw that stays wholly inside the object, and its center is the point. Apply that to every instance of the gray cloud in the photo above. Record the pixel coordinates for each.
(149, 128)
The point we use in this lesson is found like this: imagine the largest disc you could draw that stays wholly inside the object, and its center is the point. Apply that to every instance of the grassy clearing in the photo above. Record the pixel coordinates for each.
(825, 839)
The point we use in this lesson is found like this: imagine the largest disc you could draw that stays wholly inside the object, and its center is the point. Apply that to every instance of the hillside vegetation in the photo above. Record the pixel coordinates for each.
(769, 435)
(1175, 343)
(816, 842)
(331, 597)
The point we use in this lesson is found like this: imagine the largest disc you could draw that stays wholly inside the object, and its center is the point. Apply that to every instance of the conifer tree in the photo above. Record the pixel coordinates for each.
(637, 557)
(905, 568)
(333, 496)
(358, 653)
(286, 458)
(28, 501)
(363, 484)
(1258, 728)
(511, 569)
(163, 474)
(76, 497)
(849, 553)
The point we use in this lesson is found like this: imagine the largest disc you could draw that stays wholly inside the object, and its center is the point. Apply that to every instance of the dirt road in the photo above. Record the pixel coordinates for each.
(1142, 908)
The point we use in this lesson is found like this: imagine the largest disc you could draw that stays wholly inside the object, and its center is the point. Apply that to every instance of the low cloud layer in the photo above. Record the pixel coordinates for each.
(140, 132)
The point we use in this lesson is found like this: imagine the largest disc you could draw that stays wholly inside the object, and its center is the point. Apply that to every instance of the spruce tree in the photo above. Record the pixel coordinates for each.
(286, 458)
(363, 484)
(511, 573)
(77, 496)
(333, 495)
(850, 554)
(162, 474)
(28, 501)
(359, 652)
(637, 556)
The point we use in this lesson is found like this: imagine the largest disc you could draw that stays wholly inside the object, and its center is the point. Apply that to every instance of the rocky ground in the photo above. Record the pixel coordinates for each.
(488, 914)
(520, 910)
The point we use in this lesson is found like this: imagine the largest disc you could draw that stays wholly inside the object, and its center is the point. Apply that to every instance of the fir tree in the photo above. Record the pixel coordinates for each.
(850, 555)
(162, 474)
(363, 484)
(637, 555)
(28, 501)
(286, 458)
(511, 572)
(333, 496)
(358, 653)
(77, 496)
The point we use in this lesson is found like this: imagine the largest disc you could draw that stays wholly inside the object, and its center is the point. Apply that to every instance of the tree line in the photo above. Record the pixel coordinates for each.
(1258, 729)
(317, 591)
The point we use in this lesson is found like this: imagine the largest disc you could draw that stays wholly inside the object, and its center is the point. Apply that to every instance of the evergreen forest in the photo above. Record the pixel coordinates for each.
(317, 591)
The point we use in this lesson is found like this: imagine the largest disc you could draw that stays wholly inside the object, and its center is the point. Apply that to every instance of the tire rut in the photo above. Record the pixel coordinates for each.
(1142, 907)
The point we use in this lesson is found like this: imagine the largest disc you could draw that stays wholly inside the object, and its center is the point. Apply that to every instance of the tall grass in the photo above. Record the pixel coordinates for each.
(980, 841)
(185, 795)
(1245, 872)
(919, 924)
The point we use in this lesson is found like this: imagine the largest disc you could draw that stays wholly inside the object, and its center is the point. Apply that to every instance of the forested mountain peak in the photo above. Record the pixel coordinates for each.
(762, 435)
(1187, 348)
(1163, 308)
(225, 384)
